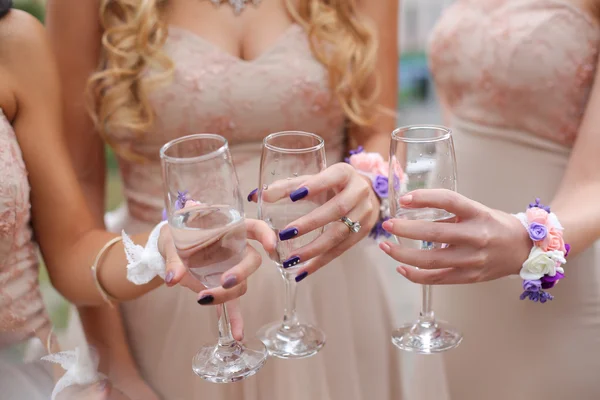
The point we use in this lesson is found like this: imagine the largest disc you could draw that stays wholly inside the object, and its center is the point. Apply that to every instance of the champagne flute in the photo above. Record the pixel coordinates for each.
(289, 159)
(206, 218)
(422, 157)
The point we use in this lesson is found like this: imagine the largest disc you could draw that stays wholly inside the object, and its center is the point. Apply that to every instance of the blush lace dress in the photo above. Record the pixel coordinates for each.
(283, 89)
(24, 324)
(516, 76)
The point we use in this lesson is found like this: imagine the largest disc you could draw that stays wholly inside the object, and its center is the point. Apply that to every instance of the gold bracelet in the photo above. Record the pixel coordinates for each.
(105, 296)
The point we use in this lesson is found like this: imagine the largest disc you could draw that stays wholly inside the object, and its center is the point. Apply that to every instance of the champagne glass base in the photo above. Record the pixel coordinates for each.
(426, 337)
(221, 364)
(300, 341)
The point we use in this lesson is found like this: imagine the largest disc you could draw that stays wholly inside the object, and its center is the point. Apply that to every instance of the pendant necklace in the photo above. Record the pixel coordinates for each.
(237, 5)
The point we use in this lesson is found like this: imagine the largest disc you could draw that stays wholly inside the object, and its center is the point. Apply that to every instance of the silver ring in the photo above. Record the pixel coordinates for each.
(353, 226)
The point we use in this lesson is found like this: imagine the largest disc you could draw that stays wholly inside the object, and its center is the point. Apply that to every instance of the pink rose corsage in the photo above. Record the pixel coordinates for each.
(373, 166)
(544, 266)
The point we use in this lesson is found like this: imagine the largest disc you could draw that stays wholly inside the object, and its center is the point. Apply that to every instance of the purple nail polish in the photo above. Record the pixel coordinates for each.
(252, 193)
(206, 299)
(290, 262)
(299, 194)
(230, 282)
(169, 277)
(288, 233)
(301, 276)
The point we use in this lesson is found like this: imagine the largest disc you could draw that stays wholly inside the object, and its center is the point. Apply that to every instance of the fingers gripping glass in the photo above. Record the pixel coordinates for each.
(289, 159)
(206, 217)
(422, 157)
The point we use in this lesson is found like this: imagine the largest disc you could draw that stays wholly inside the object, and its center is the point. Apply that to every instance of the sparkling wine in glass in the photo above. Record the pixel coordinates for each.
(206, 218)
(422, 157)
(288, 160)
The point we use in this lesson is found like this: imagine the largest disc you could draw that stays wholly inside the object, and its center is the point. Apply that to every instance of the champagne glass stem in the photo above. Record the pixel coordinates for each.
(427, 317)
(225, 336)
(290, 319)
(426, 309)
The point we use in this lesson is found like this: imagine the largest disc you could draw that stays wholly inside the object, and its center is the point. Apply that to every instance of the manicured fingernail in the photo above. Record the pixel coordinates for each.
(169, 277)
(206, 299)
(407, 199)
(299, 194)
(288, 233)
(290, 262)
(301, 276)
(251, 194)
(385, 247)
(387, 225)
(230, 282)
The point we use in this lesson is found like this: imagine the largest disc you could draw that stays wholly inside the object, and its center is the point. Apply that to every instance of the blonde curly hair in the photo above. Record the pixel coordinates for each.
(133, 39)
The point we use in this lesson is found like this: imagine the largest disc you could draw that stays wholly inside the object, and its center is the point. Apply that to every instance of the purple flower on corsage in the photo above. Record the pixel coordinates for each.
(181, 199)
(548, 281)
(537, 232)
(179, 203)
(532, 286)
(380, 186)
(539, 205)
(378, 230)
(532, 290)
(359, 149)
(568, 249)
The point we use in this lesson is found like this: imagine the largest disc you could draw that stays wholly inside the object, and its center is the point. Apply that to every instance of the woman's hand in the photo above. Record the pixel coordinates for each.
(484, 244)
(233, 282)
(354, 198)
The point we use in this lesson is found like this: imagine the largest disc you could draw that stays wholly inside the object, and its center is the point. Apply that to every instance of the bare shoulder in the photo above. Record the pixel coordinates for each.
(25, 57)
(24, 49)
(20, 31)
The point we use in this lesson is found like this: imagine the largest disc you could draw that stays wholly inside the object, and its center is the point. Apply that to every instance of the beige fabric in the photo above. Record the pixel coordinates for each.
(284, 89)
(516, 75)
(24, 322)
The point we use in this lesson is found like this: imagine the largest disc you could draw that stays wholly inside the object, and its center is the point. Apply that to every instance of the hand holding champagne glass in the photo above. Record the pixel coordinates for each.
(422, 157)
(289, 159)
(206, 219)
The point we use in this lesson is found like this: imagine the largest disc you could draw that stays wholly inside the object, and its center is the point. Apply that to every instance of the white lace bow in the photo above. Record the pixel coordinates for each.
(144, 263)
(81, 366)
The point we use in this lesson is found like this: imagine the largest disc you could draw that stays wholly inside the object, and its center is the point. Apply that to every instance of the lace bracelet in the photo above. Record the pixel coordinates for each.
(80, 365)
(543, 268)
(374, 167)
(144, 263)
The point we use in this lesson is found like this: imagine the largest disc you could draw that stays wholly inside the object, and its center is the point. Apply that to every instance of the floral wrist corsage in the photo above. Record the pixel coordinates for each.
(373, 166)
(543, 268)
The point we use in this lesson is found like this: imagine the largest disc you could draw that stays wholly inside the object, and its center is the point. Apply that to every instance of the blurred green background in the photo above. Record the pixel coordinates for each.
(34, 7)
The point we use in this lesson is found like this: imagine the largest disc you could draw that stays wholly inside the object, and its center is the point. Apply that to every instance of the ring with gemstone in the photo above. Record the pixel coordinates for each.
(353, 226)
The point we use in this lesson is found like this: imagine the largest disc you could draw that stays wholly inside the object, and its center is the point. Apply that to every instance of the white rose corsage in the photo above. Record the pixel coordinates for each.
(544, 266)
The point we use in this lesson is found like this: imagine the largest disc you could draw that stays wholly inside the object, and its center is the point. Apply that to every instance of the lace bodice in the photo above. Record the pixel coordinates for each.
(524, 65)
(22, 312)
(212, 91)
